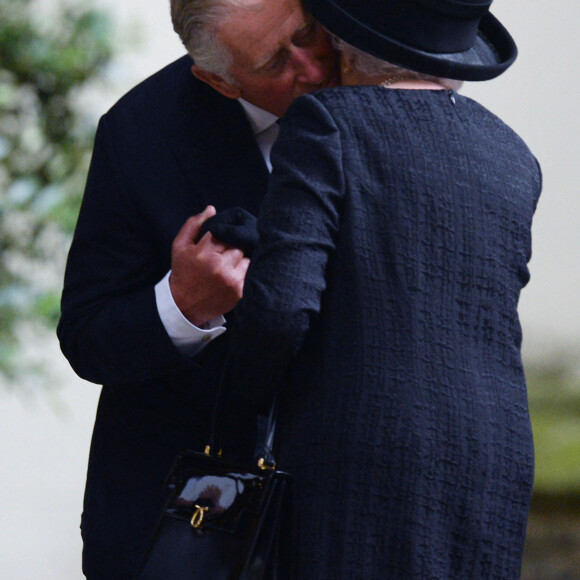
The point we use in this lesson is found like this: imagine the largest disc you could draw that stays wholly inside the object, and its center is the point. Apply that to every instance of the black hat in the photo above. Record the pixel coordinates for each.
(456, 39)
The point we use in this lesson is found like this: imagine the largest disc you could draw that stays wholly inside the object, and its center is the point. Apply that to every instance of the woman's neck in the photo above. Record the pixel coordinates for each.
(400, 81)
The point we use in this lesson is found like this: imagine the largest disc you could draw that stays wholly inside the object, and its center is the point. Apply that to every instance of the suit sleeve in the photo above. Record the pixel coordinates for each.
(110, 330)
(298, 225)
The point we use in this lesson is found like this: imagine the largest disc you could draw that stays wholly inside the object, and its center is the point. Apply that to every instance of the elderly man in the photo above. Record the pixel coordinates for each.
(143, 297)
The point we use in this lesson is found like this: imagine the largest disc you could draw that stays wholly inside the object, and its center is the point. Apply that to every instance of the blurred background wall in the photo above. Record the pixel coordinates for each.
(46, 413)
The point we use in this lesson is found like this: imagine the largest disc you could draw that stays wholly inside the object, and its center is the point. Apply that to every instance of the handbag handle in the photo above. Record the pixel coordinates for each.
(265, 448)
(265, 444)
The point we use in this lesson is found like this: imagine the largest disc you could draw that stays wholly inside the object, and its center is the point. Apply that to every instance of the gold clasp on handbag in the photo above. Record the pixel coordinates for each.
(207, 451)
(263, 465)
(197, 517)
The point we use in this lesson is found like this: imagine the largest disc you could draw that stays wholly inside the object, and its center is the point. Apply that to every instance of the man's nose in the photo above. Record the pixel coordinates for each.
(310, 69)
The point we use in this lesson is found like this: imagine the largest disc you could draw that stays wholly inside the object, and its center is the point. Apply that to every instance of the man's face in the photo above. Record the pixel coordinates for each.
(279, 53)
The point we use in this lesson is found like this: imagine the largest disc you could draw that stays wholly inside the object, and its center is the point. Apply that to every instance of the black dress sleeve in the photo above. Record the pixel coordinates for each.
(298, 224)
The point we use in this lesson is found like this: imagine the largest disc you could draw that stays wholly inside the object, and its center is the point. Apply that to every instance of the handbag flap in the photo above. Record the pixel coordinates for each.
(213, 494)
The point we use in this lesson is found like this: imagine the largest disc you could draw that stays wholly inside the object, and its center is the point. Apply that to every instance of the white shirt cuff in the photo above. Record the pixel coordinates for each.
(188, 338)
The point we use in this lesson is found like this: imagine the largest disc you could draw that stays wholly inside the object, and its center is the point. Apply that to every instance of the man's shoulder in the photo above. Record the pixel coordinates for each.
(170, 102)
(161, 89)
(168, 94)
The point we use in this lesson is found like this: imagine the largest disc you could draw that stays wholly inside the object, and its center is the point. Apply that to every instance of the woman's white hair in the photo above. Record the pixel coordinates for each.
(372, 66)
(196, 22)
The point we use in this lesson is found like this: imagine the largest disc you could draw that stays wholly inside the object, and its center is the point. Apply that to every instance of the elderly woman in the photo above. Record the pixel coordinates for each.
(381, 304)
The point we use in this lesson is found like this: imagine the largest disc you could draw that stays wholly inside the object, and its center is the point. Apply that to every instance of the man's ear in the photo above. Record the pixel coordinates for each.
(216, 82)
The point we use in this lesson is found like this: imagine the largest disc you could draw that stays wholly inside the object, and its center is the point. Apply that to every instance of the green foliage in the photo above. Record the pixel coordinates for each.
(45, 142)
(555, 410)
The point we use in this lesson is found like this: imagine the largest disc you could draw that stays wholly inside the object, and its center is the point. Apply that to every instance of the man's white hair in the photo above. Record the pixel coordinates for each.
(197, 21)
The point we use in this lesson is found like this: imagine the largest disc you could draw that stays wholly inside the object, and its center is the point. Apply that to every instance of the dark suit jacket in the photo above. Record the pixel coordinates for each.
(167, 149)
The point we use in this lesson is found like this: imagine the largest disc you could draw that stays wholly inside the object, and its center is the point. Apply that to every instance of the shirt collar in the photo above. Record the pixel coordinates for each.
(260, 120)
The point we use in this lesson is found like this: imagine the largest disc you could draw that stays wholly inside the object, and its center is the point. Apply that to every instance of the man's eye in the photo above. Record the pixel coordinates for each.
(305, 37)
(276, 64)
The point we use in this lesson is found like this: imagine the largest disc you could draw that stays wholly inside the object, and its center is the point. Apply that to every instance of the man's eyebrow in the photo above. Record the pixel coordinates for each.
(269, 58)
(305, 29)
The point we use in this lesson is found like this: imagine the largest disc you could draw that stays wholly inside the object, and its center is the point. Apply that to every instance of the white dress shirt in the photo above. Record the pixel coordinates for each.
(187, 337)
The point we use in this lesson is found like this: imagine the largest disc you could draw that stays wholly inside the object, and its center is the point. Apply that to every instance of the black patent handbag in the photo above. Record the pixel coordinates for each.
(224, 521)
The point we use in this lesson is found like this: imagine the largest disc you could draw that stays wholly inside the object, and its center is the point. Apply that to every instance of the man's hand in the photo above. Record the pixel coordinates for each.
(207, 277)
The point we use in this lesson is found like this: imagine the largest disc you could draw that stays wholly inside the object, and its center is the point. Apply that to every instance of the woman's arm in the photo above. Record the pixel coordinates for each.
(298, 224)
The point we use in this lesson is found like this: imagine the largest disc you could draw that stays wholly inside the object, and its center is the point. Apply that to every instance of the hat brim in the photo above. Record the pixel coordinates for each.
(493, 52)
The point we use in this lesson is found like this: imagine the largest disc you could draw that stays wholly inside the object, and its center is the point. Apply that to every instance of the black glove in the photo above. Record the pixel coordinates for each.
(235, 227)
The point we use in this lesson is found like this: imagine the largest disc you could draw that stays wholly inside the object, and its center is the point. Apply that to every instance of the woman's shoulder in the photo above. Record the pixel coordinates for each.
(365, 101)
(338, 103)
(354, 109)
(344, 95)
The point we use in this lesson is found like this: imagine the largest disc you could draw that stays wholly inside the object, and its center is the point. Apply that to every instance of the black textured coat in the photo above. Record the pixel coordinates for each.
(383, 299)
